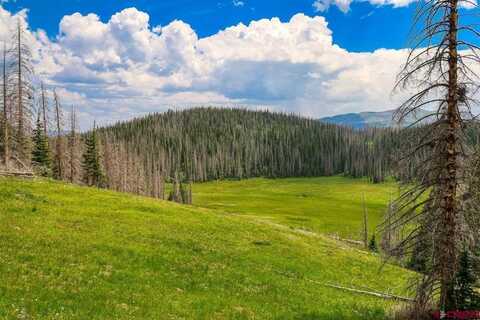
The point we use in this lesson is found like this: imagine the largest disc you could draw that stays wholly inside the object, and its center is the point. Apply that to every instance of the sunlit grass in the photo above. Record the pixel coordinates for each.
(68, 252)
(330, 205)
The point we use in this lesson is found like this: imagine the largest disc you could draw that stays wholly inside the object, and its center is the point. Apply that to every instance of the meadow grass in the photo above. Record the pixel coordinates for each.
(329, 205)
(68, 252)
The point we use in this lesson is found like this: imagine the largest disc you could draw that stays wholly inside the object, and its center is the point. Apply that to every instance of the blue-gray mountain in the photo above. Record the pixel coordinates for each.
(362, 120)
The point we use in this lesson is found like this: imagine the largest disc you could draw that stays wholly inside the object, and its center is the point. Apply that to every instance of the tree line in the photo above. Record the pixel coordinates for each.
(205, 144)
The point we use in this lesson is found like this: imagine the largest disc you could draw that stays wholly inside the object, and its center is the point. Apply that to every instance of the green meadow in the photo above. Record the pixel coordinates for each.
(328, 205)
(241, 252)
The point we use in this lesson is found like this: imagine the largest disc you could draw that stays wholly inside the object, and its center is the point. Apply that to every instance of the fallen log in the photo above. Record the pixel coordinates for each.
(365, 292)
(355, 242)
(14, 174)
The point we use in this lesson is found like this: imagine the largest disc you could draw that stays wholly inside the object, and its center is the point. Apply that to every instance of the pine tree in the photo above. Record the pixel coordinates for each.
(372, 246)
(92, 171)
(466, 297)
(40, 153)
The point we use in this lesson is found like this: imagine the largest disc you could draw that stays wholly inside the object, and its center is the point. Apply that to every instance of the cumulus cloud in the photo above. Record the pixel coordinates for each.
(125, 67)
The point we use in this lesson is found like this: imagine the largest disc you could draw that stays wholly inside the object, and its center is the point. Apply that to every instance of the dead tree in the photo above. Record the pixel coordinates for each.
(6, 113)
(21, 64)
(73, 162)
(44, 104)
(443, 80)
(59, 156)
(387, 236)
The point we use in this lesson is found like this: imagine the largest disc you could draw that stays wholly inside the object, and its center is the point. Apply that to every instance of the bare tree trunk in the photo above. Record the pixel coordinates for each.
(162, 186)
(73, 144)
(20, 113)
(365, 223)
(6, 138)
(387, 232)
(448, 257)
(44, 109)
(58, 147)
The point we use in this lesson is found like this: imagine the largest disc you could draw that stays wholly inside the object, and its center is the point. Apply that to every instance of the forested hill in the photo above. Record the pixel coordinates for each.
(210, 143)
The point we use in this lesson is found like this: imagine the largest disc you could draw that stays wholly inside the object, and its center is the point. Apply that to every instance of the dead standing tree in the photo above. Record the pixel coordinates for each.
(22, 93)
(44, 104)
(440, 68)
(6, 109)
(59, 163)
(73, 154)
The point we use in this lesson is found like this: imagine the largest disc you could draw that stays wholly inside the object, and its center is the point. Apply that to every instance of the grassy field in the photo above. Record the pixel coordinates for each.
(68, 252)
(330, 205)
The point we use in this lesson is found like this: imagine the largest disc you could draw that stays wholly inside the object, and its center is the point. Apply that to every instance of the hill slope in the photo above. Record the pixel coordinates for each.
(68, 252)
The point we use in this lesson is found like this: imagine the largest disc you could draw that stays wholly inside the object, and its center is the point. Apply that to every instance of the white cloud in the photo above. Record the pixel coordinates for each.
(125, 67)
(238, 3)
(344, 5)
(324, 5)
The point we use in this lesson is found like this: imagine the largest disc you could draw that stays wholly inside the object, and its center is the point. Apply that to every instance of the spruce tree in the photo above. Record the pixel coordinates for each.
(40, 153)
(92, 171)
(466, 297)
(372, 246)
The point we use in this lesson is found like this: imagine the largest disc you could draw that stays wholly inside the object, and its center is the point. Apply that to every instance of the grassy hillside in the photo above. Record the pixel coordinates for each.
(331, 205)
(75, 253)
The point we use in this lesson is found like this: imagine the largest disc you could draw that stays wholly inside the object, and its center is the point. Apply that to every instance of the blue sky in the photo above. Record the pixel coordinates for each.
(364, 28)
(118, 59)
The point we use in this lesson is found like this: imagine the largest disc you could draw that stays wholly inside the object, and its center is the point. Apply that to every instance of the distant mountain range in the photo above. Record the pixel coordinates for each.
(362, 120)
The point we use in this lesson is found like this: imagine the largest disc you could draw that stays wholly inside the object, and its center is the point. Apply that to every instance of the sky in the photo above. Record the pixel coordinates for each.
(118, 59)
(379, 26)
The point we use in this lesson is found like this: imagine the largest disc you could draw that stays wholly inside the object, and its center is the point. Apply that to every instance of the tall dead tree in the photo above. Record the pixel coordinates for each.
(44, 104)
(59, 156)
(21, 64)
(443, 80)
(387, 236)
(6, 113)
(73, 162)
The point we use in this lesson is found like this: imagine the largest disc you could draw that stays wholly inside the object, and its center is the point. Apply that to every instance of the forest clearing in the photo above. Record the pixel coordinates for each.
(240, 159)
